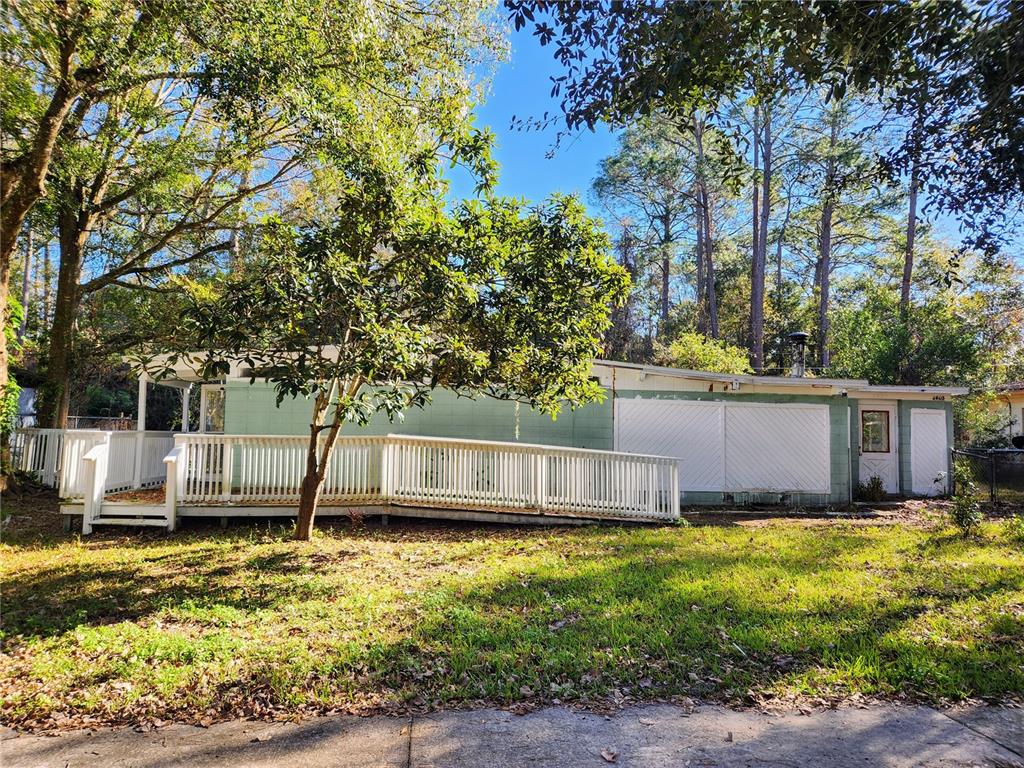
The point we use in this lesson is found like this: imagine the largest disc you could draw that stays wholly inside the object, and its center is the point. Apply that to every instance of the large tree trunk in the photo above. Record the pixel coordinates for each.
(54, 395)
(309, 498)
(318, 458)
(757, 268)
(908, 256)
(23, 180)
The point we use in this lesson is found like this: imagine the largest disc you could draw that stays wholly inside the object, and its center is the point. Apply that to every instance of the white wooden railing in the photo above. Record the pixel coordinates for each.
(38, 451)
(57, 458)
(428, 471)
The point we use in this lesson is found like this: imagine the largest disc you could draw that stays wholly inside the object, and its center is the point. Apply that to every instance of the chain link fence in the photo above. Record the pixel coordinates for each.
(998, 473)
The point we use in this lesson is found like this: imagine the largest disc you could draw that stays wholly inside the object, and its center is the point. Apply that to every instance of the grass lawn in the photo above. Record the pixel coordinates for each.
(205, 624)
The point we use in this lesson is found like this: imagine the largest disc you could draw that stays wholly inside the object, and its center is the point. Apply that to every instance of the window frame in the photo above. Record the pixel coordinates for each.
(888, 430)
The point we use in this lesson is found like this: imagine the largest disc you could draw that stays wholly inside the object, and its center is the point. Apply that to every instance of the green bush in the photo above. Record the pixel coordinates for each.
(1014, 527)
(965, 513)
(872, 490)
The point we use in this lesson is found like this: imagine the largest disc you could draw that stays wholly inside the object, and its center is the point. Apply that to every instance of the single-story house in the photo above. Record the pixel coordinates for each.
(738, 438)
(1010, 401)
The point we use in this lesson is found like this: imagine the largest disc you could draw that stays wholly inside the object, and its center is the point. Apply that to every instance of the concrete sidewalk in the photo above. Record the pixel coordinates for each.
(653, 736)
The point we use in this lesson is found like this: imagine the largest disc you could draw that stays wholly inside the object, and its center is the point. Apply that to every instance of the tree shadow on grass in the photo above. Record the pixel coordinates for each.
(634, 613)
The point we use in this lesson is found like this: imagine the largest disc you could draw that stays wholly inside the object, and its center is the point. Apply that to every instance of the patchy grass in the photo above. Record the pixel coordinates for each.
(206, 624)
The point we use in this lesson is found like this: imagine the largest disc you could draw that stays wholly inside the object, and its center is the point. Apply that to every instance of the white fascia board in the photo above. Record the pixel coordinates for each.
(896, 389)
(745, 378)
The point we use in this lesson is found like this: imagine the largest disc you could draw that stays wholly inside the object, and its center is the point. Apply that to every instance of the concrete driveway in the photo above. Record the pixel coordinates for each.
(654, 736)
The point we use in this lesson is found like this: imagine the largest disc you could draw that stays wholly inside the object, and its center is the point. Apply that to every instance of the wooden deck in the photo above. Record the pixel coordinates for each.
(260, 475)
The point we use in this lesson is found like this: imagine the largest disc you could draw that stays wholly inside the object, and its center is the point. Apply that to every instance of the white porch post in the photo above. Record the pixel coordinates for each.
(140, 430)
(186, 394)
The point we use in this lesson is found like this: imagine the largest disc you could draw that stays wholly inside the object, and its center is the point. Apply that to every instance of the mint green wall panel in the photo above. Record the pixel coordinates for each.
(251, 410)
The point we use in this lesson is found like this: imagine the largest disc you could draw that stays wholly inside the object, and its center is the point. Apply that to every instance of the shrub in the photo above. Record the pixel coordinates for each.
(1014, 527)
(872, 490)
(965, 513)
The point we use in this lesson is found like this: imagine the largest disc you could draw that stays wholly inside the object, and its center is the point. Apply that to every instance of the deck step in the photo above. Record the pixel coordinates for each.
(158, 521)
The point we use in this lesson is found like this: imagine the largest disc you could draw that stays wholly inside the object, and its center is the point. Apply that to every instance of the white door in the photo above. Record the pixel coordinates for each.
(879, 456)
(928, 463)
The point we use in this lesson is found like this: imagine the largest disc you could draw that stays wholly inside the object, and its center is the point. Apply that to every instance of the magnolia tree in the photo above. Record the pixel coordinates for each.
(398, 295)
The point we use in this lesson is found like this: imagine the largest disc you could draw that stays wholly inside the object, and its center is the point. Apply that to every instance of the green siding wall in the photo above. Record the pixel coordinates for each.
(839, 409)
(251, 410)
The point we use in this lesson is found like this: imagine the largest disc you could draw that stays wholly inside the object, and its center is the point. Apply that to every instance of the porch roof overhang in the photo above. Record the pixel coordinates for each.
(184, 369)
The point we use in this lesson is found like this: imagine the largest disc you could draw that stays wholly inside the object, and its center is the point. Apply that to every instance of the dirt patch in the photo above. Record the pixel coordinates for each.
(30, 512)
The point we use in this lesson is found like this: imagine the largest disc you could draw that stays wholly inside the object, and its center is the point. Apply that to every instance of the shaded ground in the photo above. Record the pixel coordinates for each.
(205, 625)
(656, 736)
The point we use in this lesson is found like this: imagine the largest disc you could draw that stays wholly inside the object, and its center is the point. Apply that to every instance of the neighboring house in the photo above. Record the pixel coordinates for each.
(27, 407)
(738, 438)
(1010, 400)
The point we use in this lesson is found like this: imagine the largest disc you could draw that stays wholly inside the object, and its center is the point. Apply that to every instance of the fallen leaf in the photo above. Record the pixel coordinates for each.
(610, 755)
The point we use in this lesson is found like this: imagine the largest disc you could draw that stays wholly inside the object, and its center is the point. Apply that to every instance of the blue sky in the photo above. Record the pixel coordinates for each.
(522, 88)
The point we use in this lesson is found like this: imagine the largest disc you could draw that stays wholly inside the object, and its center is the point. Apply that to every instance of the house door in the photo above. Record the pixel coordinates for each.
(211, 408)
(879, 456)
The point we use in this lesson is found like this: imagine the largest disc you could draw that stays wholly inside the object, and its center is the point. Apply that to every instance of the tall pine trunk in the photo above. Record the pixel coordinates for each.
(908, 255)
(778, 271)
(824, 269)
(757, 269)
(701, 283)
(666, 269)
(706, 232)
(824, 273)
(755, 206)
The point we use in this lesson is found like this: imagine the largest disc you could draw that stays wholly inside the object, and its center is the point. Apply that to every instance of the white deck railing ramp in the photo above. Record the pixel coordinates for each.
(56, 456)
(225, 471)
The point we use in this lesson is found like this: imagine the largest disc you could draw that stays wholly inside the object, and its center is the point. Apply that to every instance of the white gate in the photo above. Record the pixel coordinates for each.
(732, 446)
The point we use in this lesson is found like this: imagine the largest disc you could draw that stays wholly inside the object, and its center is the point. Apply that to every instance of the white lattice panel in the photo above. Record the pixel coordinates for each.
(688, 430)
(724, 446)
(781, 448)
